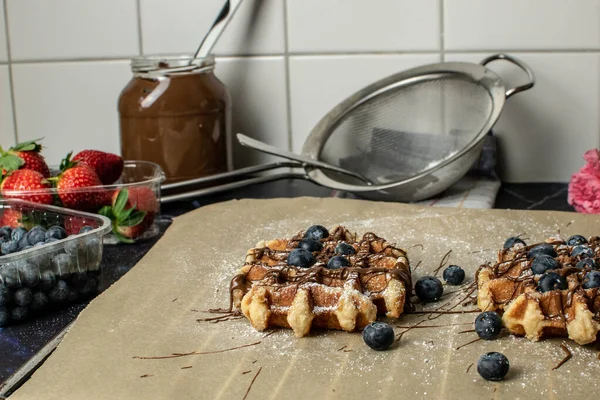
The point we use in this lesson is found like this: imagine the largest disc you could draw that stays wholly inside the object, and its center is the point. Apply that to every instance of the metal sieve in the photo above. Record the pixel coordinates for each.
(411, 135)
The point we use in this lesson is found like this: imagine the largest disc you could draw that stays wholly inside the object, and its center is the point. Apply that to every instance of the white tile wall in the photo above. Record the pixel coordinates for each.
(178, 26)
(7, 128)
(259, 103)
(544, 131)
(333, 26)
(524, 25)
(67, 29)
(72, 105)
(287, 62)
(319, 83)
(3, 49)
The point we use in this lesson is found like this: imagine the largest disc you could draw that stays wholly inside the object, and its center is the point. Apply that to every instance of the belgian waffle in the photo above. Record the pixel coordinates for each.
(510, 287)
(271, 293)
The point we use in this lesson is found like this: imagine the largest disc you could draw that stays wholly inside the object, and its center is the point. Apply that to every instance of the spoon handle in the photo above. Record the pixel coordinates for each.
(217, 28)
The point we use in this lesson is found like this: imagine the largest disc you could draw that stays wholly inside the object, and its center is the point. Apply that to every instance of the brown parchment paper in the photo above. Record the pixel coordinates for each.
(153, 311)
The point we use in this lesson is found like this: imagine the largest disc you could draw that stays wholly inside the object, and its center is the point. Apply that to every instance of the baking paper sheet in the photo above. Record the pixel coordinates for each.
(153, 311)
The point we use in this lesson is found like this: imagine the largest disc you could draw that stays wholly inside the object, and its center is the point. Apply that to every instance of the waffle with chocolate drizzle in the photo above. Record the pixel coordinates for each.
(271, 293)
(510, 287)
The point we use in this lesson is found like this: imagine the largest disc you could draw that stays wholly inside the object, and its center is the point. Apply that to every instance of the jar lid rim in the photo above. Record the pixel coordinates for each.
(159, 62)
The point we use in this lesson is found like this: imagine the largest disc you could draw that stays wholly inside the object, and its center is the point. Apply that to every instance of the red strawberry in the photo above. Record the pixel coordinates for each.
(132, 212)
(10, 217)
(18, 182)
(24, 155)
(79, 187)
(74, 224)
(108, 166)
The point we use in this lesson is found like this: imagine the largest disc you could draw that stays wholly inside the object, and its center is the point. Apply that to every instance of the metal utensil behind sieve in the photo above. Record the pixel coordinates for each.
(412, 134)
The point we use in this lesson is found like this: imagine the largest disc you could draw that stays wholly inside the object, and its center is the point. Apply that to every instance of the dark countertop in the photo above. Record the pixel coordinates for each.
(19, 343)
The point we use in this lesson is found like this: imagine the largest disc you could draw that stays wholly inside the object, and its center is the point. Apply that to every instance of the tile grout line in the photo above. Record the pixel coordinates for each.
(442, 27)
(139, 27)
(286, 58)
(10, 74)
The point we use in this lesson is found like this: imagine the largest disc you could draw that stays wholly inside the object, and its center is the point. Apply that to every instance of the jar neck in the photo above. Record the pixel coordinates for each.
(171, 65)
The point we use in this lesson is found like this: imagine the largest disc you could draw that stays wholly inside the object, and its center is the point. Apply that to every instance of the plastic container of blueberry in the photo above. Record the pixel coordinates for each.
(42, 268)
(140, 180)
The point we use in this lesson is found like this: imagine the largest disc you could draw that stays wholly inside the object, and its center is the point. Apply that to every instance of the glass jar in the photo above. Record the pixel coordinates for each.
(176, 113)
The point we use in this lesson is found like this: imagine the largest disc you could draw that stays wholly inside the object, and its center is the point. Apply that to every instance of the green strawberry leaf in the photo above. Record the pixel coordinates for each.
(107, 212)
(134, 219)
(120, 237)
(124, 215)
(11, 162)
(121, 201)
(31, 145)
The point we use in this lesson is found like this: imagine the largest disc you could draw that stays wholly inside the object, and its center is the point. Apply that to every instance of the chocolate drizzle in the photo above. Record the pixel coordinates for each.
(370, 251)
(514, 265)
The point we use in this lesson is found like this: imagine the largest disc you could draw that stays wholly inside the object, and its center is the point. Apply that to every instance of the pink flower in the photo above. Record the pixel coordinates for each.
(584, 188)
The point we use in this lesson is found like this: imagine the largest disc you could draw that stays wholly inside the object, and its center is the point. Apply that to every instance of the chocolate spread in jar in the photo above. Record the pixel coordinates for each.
(177, 119)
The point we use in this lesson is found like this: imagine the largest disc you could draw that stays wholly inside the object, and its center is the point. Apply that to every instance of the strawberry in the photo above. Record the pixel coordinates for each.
(132, 212)
(11, 217)
(74, 224)
(73, 183)
(24, 155)
(108, 166)
(26, 180)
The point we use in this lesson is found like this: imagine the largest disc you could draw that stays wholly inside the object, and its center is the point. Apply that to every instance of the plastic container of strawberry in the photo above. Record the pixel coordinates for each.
(51, 275)
(132, 203)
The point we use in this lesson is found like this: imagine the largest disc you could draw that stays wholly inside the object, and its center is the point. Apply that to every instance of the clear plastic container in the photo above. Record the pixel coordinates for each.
(138, 176)
(46, 277)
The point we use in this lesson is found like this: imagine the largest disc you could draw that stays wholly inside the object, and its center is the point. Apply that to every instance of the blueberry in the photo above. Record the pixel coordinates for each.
(511, 241)
(344, 249)
(493, 366)
(39, 302)
(36, 235)
(5, 233)
(488, 325)
(576, 240)
(18, 233)
(454, 275)
(85, 228)
(72, 297)
(316, 232)
(63, 264)
(59, 293)
(544, 248)
(586, 263)
(19, 314)
(23, 297)
(90, 288)
(48, 280)
(51, 240)
(310, 245)
(552, 281)
(378, 335)
(24, 243)
(10, 276)
(592, 280)
(29, 274)
(4, 296)
(543, 263)
(429, 288)
(582, 251)
(4, 316)
(337, 262)
(56, 232)
(301, 258)
(9, 247)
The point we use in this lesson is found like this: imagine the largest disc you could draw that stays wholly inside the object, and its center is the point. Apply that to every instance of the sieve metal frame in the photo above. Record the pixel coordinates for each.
(474, 73)
(445, 174)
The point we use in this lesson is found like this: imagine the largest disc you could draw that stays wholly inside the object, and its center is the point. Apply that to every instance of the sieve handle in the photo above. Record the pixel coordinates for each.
(303, 160)
(519, 64)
